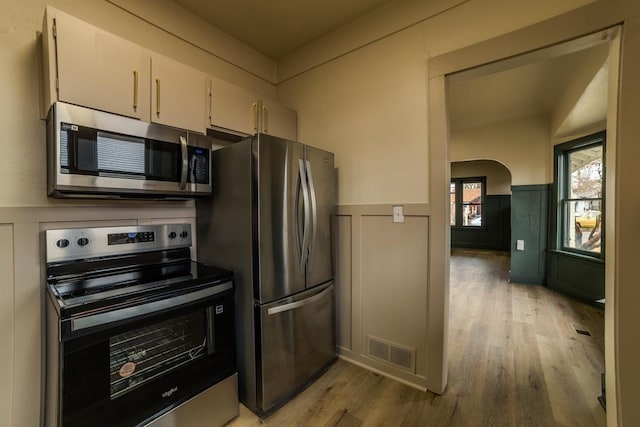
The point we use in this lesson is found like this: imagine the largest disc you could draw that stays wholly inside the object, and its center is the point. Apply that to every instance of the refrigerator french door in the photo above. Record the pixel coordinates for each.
(269, 220)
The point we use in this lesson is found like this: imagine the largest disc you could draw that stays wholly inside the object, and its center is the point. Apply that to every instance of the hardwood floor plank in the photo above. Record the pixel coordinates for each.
(514, 360)
(562, 386)
(532, 404)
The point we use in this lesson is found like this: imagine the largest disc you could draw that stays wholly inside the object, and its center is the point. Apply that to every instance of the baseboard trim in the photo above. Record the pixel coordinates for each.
(413, 381)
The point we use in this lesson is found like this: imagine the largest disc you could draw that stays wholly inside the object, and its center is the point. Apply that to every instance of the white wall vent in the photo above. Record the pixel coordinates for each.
(399, 356)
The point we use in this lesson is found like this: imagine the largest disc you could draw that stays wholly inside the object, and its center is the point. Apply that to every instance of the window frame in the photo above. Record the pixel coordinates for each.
(459, 182)
(562, 188)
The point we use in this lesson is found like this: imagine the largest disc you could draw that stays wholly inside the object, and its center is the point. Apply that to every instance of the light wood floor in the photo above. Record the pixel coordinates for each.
(514, 360)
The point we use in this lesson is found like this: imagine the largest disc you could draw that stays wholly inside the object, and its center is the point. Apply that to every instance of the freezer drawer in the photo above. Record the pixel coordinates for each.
(297, 342)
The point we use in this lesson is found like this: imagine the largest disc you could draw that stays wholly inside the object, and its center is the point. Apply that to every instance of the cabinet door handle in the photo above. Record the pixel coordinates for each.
(255, 116)
(158, 97)
(135, 90)
(265, 119)
(211, 103)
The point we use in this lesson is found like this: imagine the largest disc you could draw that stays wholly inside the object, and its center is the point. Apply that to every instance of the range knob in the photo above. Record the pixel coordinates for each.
(172, 235)
(62, 243)
(83, 241)
(183, 234)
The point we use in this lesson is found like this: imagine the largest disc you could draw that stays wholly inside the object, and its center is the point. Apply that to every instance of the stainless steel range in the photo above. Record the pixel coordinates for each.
(135, 328)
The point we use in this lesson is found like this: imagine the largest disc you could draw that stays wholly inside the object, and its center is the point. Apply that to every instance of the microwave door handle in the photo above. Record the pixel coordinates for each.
(185, 163)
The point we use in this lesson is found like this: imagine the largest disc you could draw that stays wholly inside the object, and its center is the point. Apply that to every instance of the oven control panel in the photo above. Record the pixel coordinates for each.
(82, 243)
(124, 238)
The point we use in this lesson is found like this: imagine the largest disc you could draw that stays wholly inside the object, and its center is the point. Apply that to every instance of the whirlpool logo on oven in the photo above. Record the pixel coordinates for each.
(169, 392)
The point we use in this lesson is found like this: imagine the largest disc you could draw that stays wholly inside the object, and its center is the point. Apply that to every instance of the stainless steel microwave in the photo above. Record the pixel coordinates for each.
(96, 154)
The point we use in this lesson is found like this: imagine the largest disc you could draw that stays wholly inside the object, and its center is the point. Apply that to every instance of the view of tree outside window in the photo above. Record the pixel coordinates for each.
(582, 200)
(466, 200)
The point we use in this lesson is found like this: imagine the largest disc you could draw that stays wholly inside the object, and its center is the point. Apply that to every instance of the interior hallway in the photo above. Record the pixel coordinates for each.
(514, 360)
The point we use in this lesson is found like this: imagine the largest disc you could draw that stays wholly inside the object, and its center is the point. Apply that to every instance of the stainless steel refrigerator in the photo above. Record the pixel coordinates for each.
(269, 220)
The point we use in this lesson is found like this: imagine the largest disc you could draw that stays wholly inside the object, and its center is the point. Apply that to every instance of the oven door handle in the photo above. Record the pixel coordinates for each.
(152, 307)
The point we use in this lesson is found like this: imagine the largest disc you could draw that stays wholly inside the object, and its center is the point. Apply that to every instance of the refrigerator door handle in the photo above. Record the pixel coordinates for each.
(314, 210)
(305, 227)
(298, 216)
(298, 304)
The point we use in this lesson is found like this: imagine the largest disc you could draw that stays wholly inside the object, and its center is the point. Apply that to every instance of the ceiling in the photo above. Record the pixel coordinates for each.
(276, 28)
(539, 88)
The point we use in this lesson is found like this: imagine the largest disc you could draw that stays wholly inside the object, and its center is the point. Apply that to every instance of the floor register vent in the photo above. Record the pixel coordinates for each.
(581, 330)
(397, 355)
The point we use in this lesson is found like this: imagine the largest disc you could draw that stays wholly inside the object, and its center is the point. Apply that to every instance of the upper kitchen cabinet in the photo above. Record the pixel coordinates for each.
(278, 121)
(178, 94)
(87, 66)
(232, 108)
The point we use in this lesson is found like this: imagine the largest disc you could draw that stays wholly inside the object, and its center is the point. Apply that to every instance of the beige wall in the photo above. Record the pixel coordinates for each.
(563, 117)
(367, 101)
(522, 145)
(443, 25)
(498, 176)
(621, 315)
(25, 209)
(369, 106)
(622, 271)
(22, 167)
(385, 301)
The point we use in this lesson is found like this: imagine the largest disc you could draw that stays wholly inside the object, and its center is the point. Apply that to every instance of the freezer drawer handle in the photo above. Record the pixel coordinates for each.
(298, 304)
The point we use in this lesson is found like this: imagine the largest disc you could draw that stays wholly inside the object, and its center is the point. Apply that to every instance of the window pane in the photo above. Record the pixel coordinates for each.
(472, 204)
(586, 173)
(452, 204)
(584, 225)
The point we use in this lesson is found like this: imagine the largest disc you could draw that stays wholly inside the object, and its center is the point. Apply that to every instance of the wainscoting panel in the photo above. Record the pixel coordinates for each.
(6, 323)
(529, 214)
(343, 251)
(382, 282)
(495, 234)
(578, 276)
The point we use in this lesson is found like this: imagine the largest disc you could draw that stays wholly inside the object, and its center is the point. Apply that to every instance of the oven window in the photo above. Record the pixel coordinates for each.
(140, 355)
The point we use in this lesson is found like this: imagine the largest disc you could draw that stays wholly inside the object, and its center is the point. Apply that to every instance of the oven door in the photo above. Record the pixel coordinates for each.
(146, 365)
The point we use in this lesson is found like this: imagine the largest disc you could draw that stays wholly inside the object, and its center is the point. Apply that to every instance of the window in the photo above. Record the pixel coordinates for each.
(580, 189)
(466, 201)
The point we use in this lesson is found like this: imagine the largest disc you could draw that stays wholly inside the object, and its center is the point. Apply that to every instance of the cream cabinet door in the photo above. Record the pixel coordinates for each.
(178, 94)
(279, 121)
(232, 107)
(97, 69)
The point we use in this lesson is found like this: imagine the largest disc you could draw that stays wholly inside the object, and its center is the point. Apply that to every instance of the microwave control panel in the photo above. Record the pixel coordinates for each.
(198, 165)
